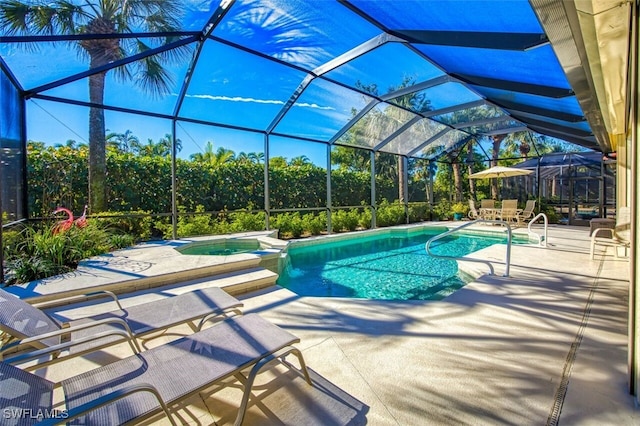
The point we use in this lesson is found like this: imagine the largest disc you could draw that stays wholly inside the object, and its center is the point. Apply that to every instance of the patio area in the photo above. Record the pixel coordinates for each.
(547, 345)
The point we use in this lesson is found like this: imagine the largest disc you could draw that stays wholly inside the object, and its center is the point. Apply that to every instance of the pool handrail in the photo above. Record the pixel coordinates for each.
(486, 262)
(542, 241)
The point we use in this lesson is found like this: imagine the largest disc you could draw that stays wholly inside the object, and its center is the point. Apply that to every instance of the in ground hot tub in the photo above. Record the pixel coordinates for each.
(221, 247)
(236, 248)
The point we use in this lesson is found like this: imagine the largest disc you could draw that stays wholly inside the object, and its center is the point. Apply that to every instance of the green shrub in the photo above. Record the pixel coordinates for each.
(313, 223)
(345, 220)
(364, 218)
(418, 212)
(289, 225)
(39, 252)
(552, 215)
(196, 224)
(118, 241)
(137, 223)
(220, 224)
(10, 240)
(442, 210)
(25, 269)
(246, 221)
(389, 214)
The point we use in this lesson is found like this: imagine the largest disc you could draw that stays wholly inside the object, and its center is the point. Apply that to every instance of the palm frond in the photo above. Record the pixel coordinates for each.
(58, 17)
(152, 76)
(178, 54)
(14, 17)
(123, 73)
(169, 11)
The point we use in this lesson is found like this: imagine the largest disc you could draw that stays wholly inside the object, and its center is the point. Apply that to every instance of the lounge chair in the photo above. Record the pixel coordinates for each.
(619, 236)
(27, 325)
(161, 378)
(526, 215)
(509, 211)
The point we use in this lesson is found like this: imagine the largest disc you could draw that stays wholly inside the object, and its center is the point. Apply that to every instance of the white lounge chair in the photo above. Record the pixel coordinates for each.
(160, 379)
(527, 214)
(618, 237)
(29, 326)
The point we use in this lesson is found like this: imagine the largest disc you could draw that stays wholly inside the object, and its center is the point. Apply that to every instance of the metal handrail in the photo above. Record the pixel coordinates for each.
(546, 225)
(451, 231)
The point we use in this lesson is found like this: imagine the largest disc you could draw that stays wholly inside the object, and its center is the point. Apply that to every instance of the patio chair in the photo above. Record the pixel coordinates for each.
(160, 379)
(527, 214)
(26, 325)
(509, 211)
(619, 236)
(473, 213)
(487, 209)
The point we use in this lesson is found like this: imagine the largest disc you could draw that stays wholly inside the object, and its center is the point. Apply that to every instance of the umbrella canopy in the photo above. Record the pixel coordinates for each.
(499, 172)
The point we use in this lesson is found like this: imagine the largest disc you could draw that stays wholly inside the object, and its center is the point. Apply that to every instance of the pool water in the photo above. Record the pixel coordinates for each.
(221, 248)
(383, 267)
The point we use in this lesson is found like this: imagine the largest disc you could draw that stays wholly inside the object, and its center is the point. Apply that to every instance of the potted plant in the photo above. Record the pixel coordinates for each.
(459, 210)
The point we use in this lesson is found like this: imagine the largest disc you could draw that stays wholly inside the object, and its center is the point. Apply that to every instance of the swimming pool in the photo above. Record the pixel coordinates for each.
(382, 267)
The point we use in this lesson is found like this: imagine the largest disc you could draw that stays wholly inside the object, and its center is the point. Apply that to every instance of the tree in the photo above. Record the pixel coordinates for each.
(162, 148)
(456, 170)
(167, 143)
(472, 182)
(277, 162)
(104, 17)
(495, 154)
(124, 142)
(369, 127)
(215, 158)
(299, 161)
(351, 159)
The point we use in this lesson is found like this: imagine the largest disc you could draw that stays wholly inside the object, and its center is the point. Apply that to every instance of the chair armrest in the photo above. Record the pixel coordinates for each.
(215, 317)
(79, 298)
(67, 330)
(597, 231)
(54, 349)
(107, 399)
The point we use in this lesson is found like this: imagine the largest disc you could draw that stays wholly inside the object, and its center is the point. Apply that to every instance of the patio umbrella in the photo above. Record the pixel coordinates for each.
(499, 172)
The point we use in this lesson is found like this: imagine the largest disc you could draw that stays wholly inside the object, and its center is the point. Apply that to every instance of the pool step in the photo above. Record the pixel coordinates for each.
(119, 279)
(234, 283)
(245, 281)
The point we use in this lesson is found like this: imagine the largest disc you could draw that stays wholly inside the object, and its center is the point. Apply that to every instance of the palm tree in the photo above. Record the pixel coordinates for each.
(495, 154)
(204, 157)
(256, 157)
(215, 158)
(299, 161)
(125, 142)
(167, 143)
(103, 17)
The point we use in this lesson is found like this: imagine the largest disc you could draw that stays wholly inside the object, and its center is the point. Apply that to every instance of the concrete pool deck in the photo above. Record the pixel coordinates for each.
(546, 345)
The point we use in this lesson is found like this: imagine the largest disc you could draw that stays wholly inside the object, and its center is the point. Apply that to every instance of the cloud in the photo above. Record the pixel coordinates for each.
(306, 105)
(236, 99)
(257, 101)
